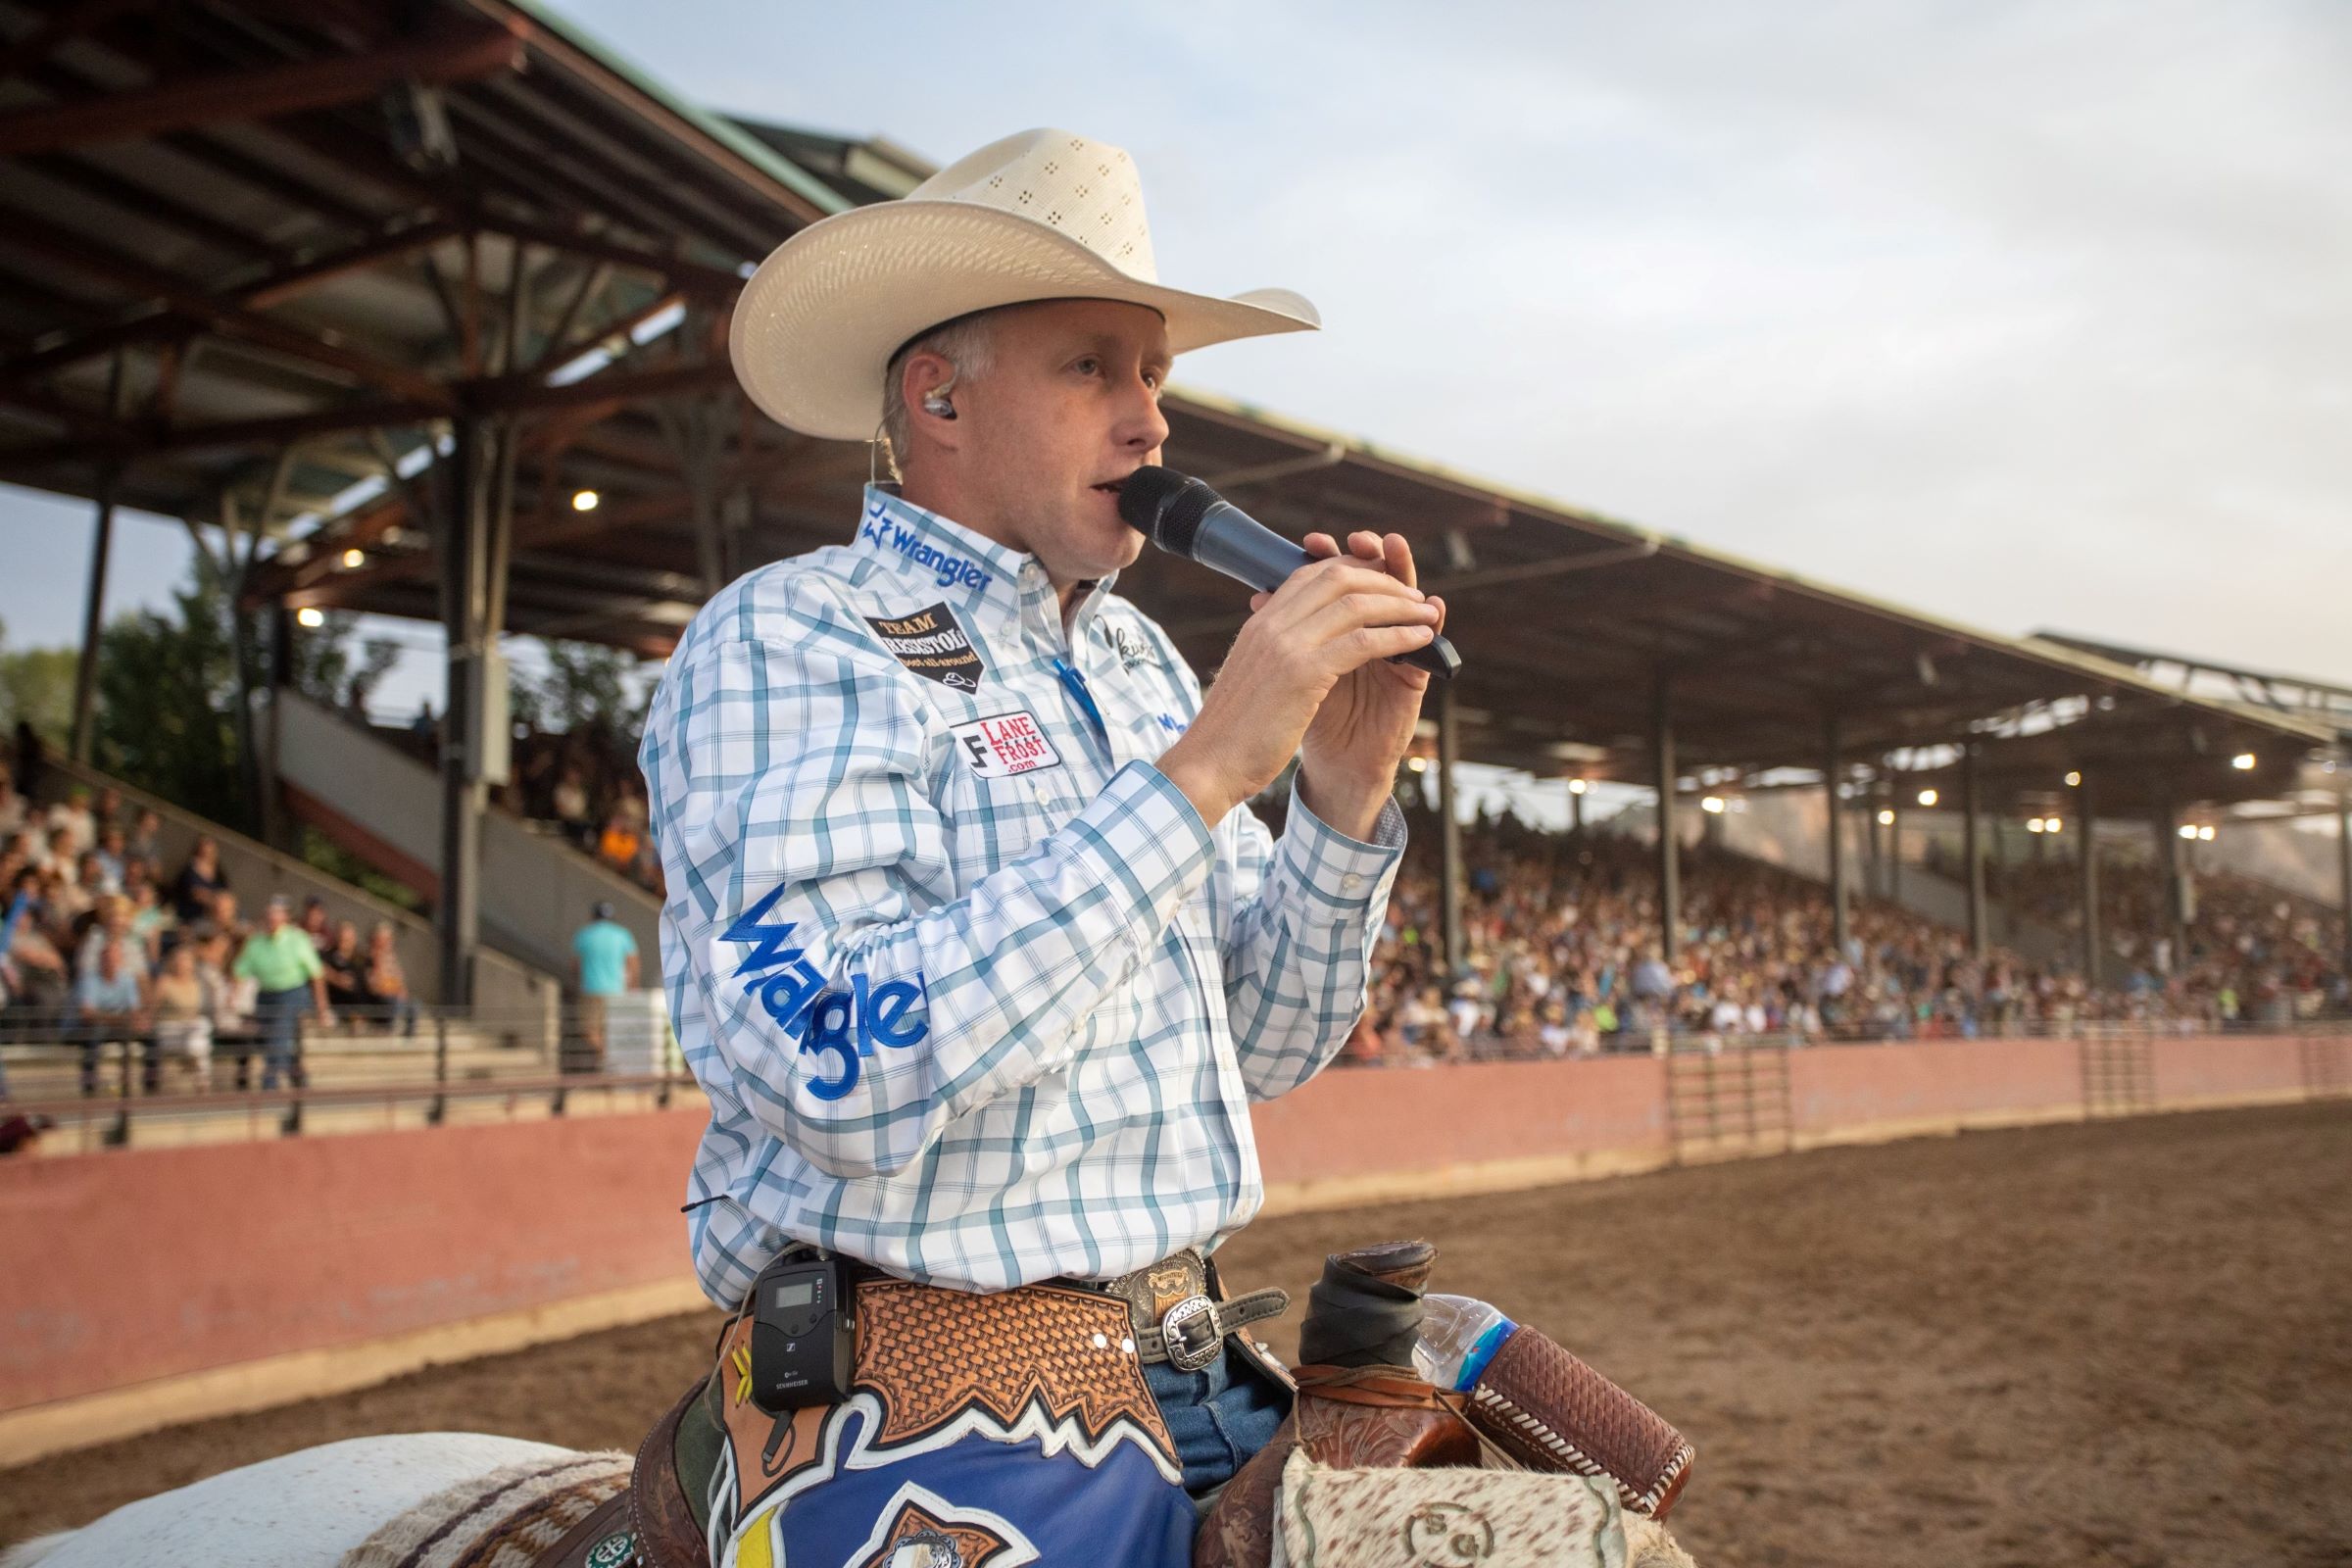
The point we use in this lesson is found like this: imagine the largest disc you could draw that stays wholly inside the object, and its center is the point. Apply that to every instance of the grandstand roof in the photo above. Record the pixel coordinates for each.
(298, 231)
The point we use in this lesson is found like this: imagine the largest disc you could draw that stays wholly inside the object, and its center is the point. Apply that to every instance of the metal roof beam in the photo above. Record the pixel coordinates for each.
(275, 288)
(242, 96)
(40, 238)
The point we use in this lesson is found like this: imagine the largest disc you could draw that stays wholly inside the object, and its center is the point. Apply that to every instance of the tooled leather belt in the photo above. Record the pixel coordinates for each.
(1177, 1316)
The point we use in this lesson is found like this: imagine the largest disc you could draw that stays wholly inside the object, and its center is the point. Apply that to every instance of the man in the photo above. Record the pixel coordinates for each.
(110, 996)
(604, 965)
(970, 938)
(289, 981)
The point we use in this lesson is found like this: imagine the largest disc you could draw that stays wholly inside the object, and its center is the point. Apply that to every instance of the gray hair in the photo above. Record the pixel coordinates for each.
(969, 343)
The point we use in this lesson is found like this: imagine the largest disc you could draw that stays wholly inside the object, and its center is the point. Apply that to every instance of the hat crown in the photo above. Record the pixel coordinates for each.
(1081, 190)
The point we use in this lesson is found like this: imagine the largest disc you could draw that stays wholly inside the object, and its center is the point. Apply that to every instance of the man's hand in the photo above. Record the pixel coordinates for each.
(1309, 669)
(1350, 752)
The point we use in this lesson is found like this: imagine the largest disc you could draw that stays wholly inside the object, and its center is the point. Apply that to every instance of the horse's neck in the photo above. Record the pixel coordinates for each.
(306, 1509)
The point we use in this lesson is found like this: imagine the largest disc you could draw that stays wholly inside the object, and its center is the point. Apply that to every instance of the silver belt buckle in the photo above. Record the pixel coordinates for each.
(1188, 1333)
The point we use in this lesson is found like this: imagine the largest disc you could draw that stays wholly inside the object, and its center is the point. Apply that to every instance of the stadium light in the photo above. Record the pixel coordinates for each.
(2073, 781)
(2243, 761)
(1419, 764)
(1576, 786)
(2050, 825)
(1885, 818)
(355, 557)
(2206, 833)
(1712, 803)
(584, 500)
(311, 618)
(1926, 796)
(2189, 830)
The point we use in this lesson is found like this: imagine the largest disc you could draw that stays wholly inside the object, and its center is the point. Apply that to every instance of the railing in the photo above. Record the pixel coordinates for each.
(99, 1079)
(107, 1123)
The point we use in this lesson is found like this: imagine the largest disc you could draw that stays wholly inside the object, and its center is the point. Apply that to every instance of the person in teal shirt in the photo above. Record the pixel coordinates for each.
(604, 965)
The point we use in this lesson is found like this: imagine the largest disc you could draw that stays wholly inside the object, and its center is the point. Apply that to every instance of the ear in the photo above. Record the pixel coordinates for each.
(925, 375)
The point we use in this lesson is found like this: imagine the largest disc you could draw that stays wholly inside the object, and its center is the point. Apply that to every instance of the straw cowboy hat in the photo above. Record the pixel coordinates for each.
(1042, 216)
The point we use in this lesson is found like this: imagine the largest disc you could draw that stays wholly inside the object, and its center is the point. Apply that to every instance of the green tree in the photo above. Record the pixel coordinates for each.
(587, 686)
(167, 690)
(36, 684)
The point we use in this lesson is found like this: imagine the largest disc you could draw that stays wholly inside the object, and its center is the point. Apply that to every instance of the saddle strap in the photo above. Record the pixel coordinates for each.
(657, 1513)
(1208, 1327)
(603, 1540)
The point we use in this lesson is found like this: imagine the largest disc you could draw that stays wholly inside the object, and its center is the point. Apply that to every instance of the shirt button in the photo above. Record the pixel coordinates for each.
(1351, 883)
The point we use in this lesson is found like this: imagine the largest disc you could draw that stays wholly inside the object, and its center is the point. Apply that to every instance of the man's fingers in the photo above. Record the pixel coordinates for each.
(1329, 629)
(1400, 555)
(1313, 587)
(1321, 544)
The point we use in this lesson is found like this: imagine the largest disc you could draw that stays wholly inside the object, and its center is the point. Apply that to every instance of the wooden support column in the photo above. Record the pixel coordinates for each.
(2343, 866)
(465, 556)
(1832, 763)
(1449, 833)
(2171, 921)
(93, 621)
(1970, 852)
(2088, 861)
(1670, 879)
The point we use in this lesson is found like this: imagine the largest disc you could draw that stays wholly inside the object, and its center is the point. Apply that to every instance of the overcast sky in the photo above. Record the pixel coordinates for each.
(2030, 314)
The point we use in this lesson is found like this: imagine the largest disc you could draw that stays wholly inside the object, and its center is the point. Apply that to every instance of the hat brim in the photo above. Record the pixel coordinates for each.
(817, 322)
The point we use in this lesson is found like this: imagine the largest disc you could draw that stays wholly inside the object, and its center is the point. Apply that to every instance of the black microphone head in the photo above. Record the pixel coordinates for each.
(1165, 507)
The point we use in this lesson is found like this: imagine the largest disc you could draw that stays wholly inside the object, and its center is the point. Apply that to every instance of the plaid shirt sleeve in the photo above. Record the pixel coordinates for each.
(859, 999)
(1298, 951)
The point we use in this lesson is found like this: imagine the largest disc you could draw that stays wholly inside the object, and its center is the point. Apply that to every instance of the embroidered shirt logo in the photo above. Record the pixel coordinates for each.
(932, 644)
(1005, 745)
(845, 1024)
(953, 570)
(1132, 647)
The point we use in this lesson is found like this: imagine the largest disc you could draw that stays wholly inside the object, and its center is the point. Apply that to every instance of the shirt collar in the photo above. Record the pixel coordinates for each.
(969, 570)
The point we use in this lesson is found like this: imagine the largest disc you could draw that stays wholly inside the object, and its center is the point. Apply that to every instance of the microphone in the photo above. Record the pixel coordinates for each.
(1186, 518)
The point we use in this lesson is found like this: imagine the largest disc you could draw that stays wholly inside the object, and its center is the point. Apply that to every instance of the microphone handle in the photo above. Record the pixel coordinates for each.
(1233, 542)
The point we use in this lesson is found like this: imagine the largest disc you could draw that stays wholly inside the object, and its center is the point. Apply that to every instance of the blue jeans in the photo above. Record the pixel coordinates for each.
(1219, 1417)
(279, 1016)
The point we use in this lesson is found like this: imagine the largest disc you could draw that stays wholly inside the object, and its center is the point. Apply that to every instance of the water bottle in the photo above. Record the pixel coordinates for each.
(1459, 1336)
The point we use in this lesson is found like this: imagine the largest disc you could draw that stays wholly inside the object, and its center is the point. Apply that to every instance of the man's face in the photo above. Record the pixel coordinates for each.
(1070, 404)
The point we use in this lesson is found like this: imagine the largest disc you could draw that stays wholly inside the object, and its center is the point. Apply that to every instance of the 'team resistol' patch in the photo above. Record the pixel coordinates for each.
(930, 643)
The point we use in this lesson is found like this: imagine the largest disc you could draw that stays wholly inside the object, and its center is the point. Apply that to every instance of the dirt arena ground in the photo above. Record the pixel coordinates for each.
(2127, 1342)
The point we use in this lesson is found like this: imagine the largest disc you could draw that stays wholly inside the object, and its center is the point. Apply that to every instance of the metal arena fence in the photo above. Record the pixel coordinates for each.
(91, 1085)
(90, 1088)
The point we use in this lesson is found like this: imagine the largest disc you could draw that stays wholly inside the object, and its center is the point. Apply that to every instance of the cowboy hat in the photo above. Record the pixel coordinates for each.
(1042, 216)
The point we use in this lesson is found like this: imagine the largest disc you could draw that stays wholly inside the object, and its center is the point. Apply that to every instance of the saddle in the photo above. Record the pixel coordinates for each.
(1361, 1407)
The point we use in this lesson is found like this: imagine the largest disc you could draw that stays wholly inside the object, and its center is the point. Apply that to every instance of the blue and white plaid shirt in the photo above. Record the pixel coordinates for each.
(973, 993)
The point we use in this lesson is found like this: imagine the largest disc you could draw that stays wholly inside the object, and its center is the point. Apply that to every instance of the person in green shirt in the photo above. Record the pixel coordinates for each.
(283, 965)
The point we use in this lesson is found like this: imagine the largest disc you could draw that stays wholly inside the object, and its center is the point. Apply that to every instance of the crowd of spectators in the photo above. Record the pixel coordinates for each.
(2253, 953)
(100, 947)
(1562, 956)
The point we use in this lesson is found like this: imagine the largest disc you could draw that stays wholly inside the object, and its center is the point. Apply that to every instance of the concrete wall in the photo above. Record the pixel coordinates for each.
(536, 890)
(137, 1275)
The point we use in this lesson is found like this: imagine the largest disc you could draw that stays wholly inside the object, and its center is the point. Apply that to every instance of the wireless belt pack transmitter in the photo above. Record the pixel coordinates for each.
(803, 1331)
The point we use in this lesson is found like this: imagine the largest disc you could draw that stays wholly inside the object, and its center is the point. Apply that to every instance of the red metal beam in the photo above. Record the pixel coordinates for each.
(243, 96)
(284, 284)
(689, 277)
(41, 237)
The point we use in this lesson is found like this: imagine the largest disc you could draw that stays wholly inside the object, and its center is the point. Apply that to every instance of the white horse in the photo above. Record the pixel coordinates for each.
(304, 1510)
(314, 1508)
